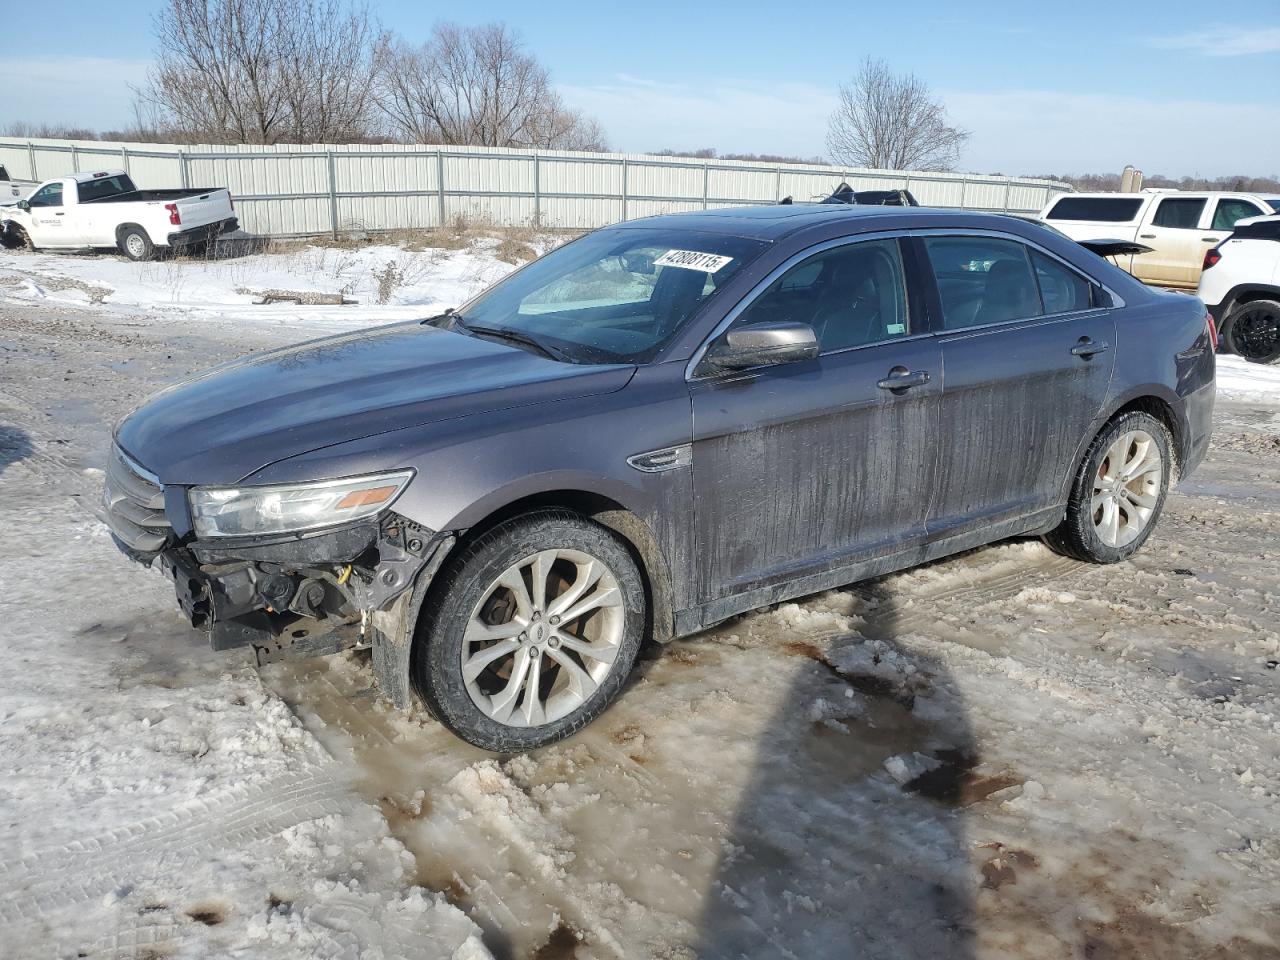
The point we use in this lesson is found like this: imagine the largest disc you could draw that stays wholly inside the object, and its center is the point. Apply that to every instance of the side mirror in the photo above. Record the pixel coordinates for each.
(763, 345)
(23, 205)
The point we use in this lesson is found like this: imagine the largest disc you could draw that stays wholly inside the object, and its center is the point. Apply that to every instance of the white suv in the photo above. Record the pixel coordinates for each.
(1240, 284)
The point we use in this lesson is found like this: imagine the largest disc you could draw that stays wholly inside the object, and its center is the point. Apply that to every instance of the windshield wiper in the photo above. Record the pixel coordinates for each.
(512, 336)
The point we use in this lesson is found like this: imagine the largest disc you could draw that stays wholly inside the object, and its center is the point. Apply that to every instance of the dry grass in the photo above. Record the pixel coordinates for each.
(515, 244)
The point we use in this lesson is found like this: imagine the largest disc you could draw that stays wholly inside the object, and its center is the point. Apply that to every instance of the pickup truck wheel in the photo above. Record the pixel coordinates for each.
(135, 244)
(1118, 494)
(1252, 331)
(15, 238)
(531, 632)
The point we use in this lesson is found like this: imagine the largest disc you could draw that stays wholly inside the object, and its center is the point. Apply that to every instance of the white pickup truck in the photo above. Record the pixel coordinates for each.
(1178, 226)
(11, 191)
(103, 209)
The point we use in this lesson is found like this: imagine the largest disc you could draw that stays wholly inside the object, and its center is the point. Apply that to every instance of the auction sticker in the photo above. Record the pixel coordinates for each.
(692, 260)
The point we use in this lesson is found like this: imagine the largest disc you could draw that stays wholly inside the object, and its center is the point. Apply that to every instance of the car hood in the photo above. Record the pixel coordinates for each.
(231, 421)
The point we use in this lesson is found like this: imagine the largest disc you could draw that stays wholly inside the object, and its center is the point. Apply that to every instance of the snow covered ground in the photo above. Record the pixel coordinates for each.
(381, 282)
(1002, 755)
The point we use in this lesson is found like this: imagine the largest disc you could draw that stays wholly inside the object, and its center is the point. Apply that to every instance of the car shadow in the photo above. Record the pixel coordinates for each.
(849, 839)
(15, 445)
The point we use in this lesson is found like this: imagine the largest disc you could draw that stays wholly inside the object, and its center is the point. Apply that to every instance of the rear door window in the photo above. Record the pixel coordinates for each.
(1104, 209)
(983, 280)
(1229, 211)
(1179, 213)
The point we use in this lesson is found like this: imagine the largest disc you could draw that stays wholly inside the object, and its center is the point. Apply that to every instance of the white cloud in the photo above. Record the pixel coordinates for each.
(1026, 131)
(642, 115)
(83, 91)
(1224, 41)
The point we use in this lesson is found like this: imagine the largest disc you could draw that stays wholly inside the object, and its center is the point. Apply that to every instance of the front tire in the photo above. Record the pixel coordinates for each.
(1252, 331)
(16, 238)
(135, 244)
(531, 632)
(1118, 493)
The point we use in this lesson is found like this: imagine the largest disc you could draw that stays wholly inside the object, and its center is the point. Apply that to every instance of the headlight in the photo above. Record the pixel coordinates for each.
(287, 508)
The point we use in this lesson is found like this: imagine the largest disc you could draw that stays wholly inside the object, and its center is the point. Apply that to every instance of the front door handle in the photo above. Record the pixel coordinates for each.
(1086, 348)
(1146, 236)
(900, 379)
(59, 214)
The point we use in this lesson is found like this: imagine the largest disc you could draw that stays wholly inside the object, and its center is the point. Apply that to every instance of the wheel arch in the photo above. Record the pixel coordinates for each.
(609, 512)
(1153, 399)
(124, 228)
(1247, 293)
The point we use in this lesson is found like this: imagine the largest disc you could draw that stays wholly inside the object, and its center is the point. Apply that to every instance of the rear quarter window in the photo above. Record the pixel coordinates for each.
(1104, 209)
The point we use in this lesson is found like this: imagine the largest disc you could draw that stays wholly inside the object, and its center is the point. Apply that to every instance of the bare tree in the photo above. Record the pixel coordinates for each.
(892, 122)
(263, 71)
(477, 86)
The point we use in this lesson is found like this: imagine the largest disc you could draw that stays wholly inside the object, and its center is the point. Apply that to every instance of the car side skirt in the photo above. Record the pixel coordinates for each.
(703, 616)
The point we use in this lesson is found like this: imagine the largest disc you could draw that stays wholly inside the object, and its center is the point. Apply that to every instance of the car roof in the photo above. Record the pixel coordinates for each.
(776, 221)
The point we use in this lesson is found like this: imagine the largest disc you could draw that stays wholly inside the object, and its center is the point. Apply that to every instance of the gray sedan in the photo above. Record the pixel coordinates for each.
(656, 427)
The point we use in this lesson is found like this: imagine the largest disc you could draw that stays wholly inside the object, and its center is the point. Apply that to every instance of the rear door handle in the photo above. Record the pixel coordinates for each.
(59, 214)
(1209, 239)
(901, 379)
(1087, 348)
(1146, 236)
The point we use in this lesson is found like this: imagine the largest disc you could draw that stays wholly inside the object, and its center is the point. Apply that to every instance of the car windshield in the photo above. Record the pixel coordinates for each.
(614, 296)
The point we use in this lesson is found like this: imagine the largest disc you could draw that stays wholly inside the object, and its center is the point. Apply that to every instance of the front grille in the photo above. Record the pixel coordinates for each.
(134, 501)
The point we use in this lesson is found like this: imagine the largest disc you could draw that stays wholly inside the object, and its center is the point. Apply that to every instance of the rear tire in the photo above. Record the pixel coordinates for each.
(1118, 493)
(1252, 331)
(135, 244)
(531, 632)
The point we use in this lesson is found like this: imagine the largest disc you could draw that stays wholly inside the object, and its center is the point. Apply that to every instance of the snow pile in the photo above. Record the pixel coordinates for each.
(1247, 382)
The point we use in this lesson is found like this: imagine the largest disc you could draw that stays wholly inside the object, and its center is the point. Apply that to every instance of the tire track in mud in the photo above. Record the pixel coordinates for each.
(84, 490)
(80, 870)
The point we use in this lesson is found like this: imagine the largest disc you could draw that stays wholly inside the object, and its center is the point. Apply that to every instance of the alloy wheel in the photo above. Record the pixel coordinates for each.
(1126, 488)
(543, 637)
(1256, 333)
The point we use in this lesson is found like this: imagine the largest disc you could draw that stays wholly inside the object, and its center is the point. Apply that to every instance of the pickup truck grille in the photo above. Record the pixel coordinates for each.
(134, 502)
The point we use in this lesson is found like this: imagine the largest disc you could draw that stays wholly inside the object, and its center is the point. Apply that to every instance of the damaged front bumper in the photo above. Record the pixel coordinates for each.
(286, 595)
(300, 596)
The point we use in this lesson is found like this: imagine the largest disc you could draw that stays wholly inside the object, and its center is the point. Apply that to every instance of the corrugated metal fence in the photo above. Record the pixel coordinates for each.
(322, 188)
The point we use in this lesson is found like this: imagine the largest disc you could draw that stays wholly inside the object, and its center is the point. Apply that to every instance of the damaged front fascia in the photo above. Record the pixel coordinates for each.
(232, 588)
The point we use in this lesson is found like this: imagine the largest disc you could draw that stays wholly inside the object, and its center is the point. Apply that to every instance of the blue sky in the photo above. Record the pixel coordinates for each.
(1173, 87)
